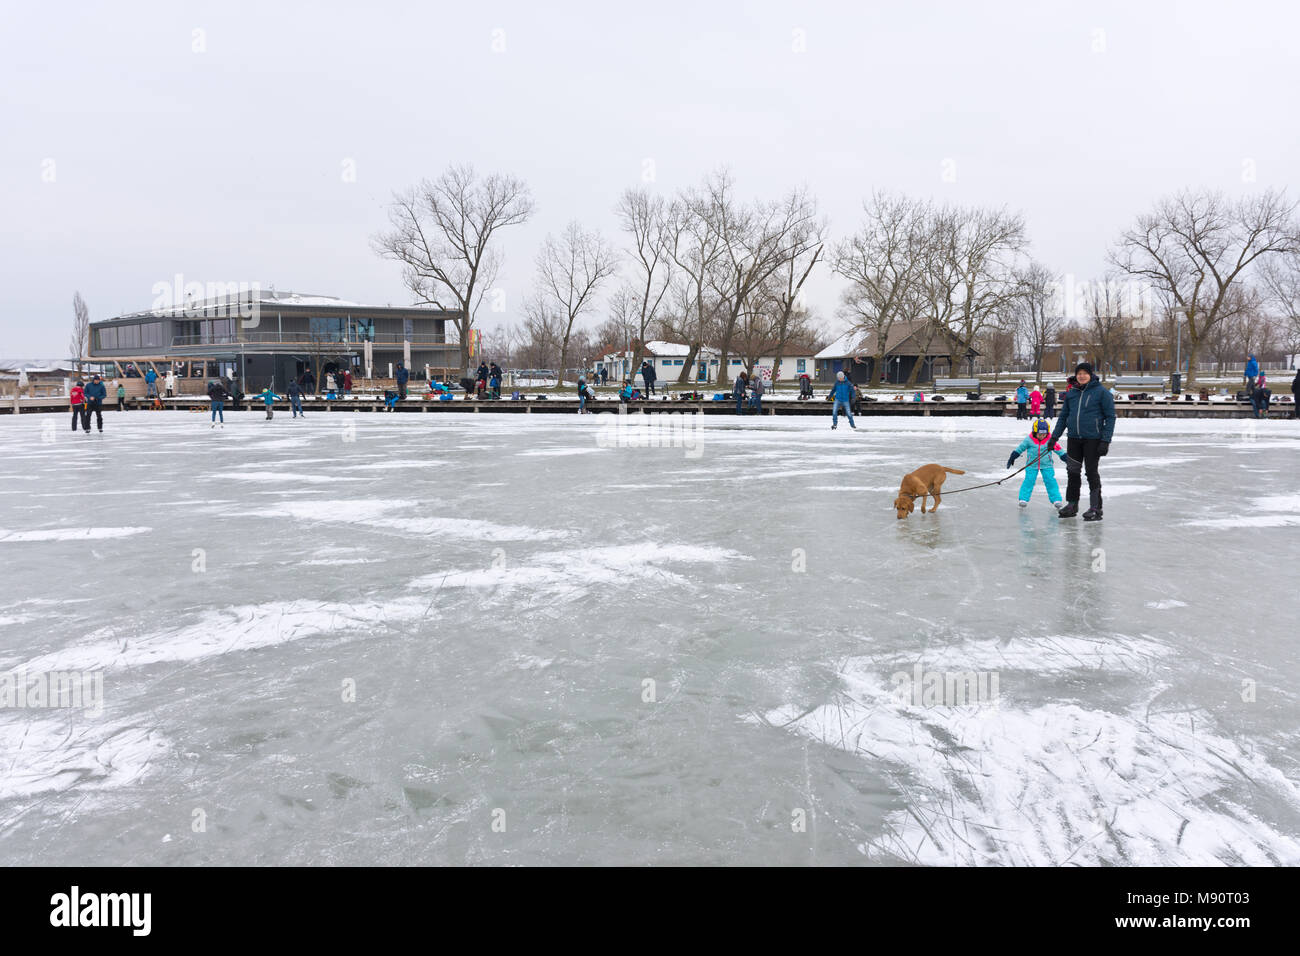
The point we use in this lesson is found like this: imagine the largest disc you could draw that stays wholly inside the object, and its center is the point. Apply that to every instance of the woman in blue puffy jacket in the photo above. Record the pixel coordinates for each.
(1088, 415)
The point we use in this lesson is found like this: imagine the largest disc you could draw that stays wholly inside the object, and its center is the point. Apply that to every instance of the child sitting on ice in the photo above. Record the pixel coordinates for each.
(1040, 461)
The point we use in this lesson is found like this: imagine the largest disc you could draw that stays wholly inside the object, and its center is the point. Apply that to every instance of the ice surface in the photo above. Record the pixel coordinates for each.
(501, 590)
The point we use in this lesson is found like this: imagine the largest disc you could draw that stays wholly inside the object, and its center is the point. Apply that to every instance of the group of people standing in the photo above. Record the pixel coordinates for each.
(748, 391)
(1035, 402)
(1259, 393)
(87, 398)
(487, 380)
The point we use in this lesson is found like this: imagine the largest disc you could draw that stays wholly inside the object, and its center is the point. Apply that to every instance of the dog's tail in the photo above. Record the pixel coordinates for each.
(954, 471)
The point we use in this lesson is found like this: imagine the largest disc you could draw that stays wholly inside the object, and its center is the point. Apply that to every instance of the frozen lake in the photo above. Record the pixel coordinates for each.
(495, 639)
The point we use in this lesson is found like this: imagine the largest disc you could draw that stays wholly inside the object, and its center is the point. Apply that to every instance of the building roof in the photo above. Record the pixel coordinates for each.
(904, 338)
(266, 299)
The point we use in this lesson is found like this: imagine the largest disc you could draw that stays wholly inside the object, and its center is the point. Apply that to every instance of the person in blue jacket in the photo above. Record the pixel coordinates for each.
(1022, 400)
(842, 395)
(1252, 372)
(151, 381)
(1040, 463)
(95, 394)
(1088, 415)
(403, 376)
(268, 398)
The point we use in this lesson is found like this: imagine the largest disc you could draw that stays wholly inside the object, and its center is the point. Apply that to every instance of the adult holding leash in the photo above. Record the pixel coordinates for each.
(1088, 419)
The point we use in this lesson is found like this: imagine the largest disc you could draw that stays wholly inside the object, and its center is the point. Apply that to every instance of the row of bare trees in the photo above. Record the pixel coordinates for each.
(703, 266)
(708, 266)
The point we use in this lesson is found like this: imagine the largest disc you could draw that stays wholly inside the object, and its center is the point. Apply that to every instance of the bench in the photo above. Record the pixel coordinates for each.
(1141, 380)
(968, 385)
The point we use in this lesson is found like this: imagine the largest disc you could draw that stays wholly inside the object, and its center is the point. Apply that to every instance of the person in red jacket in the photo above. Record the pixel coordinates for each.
(78, 402)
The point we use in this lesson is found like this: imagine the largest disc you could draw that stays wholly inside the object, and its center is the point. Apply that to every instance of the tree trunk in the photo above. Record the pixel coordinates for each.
(1192, 348)
(722, 367)
(463, 327)
(878, 367)
(687, 375)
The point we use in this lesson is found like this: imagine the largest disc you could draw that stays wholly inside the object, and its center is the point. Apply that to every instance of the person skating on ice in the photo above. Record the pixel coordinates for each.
(95, 394)
(1088, 417)
(1040, 463)
(842, 396)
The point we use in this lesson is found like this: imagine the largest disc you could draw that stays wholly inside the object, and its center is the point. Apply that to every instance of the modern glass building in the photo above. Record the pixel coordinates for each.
(269, 338)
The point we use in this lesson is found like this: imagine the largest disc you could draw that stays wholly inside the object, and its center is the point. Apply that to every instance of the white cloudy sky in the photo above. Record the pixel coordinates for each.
(226, 164)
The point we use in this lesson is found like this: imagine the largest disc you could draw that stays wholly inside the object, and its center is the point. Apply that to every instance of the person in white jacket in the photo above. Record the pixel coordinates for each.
(170, 383)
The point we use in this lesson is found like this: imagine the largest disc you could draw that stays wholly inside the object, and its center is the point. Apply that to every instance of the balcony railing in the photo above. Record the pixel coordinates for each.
(308, 340)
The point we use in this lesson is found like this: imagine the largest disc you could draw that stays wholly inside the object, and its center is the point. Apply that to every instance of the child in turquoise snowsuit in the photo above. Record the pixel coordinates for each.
(1040, 462)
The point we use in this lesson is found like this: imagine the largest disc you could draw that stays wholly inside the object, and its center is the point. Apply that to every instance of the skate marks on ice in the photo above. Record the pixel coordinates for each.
(1010, 782)
(1271, 511)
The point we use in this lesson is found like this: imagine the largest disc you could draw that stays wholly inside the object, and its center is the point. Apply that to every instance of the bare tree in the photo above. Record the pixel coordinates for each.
(754, 240)
(622, 327)
(1281, 281)
(694, 248)
(441, 234)
(982, 245)
(1039, 313)
(882, 262)
(1195, 245)
(79, 343)
(644, 218)
(543, 329)
(1108, 325)
(570, 269)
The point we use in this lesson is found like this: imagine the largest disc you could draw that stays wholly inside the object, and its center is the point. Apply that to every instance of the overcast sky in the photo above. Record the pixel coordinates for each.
(133, 148)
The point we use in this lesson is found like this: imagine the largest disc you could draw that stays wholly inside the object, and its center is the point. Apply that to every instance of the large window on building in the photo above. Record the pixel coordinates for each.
(128, 336)
(326, 328)
(107, 338)
(151, 335)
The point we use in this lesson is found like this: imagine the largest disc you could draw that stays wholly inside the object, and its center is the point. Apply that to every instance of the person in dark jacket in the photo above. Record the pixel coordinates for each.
(842, 395)
(805, 387)
(309, 382)
(648, 376)
(295, 398)
(95, 395)
(1295, 392)
(482, 374)
(1049, 401)
(403, 376)
(217, 394)
(738, 392)
(1088, 416)
(77, 401)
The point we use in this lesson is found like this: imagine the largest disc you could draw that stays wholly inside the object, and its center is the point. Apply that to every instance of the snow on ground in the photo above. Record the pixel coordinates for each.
(354, 638)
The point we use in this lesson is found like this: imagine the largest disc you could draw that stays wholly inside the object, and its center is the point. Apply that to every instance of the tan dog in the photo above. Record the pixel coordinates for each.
(926, 480)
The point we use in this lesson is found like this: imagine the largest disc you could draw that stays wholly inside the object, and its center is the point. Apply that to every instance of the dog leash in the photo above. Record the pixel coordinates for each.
(987, 484)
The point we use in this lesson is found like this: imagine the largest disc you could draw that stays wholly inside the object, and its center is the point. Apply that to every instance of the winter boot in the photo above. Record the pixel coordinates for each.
(1024, 504)
(1094, 512)
(1070, 510)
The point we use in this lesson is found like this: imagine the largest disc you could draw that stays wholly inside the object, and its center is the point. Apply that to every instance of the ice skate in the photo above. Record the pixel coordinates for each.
(1070, 510)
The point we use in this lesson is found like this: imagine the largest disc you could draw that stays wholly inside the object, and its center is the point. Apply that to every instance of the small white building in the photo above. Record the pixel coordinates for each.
(670, 357)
